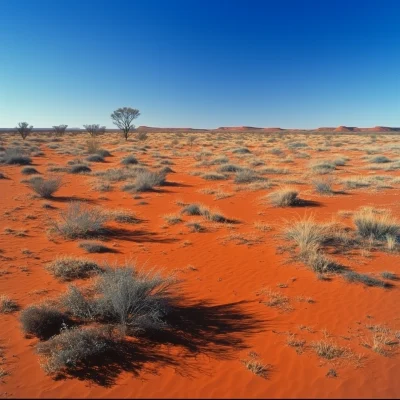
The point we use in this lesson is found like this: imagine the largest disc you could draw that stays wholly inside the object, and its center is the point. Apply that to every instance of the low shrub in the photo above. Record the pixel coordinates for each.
(80, 221)
(79, 169)
(67, 268)
(94, 247)
(7, 305)
(73, 347)
(29, 171)
(129, 160)
(378, 226)
(45, 187)
(147, 180)
(15, 156)
(285, 197)
(42, 321)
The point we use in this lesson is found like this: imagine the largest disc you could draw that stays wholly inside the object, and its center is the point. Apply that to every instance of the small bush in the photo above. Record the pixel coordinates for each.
(328, 350)
(389, 275)
(230, 168)
(379, 160)
(147, 180)
(123, 216)
(355, 277)
(94, 247)
(42, 321)
(241, 150)
(29, 171)
(80, 221)
(72, 347)
(191, 209)
(104, 153)
(92, 146)
(323, 167)
(45, 187)
(79, 169)
(95, 158)
(129, 160)
(67, 268)
(138, 301)
(246, 176)
(172, 219)
(323, 187)
(15, 156)
(378, 226)
(285, 197)
(195, 227)
(7, 305)
(212, 176)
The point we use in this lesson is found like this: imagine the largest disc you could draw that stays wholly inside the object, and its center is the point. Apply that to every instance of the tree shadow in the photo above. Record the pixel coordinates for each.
(194, 328)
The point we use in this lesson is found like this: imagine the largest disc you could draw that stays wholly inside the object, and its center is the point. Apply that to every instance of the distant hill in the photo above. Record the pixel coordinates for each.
(227, 129)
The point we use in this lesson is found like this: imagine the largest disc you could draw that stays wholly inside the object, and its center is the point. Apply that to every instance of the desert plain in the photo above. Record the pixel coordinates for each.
(272, 257)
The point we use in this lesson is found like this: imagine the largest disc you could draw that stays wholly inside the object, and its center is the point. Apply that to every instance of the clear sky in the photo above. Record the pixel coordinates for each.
(202, 64)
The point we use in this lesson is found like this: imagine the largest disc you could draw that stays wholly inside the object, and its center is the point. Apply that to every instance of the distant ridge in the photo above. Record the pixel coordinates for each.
(226, 129)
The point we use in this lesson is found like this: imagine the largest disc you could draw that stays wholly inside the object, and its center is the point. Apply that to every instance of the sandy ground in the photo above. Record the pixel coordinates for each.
(223, 271)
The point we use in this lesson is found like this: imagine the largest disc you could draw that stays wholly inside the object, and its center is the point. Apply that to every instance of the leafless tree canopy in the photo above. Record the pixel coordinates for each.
(123, 118)
(94, 129)
(24, 129)
(60, 129)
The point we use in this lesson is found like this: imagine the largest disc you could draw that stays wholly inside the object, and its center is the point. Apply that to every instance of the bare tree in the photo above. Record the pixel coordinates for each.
(24, 129)
(60, 129)
(94, 129)
(123, 117)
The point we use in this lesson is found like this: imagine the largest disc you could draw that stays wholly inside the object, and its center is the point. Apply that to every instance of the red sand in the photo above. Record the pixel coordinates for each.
(226, 276)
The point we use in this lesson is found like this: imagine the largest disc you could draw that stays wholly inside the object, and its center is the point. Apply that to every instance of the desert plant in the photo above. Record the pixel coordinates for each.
(147, 180)
(389, 275)
(15, 156)
(191, 209)
(94, 129)
(92, 146)
(80, 221)
(355, 277)
(123, 117)
(59, 130)
(29, 171)
(136, 300)
(24, 129)
(42, 321)
(142, 136)
(67, 268)
(95, 158)
(323, 186)
(378, 226)
(241, 150)
(285, 197)
(94, 247)
(45, 187)
(79, 169)
(246, 176)
(129, 160)
(328, 350)
(379, 160)
(72, 347)
(7, 305)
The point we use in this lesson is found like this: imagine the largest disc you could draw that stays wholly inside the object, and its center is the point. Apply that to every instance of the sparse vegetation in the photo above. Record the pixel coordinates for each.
(67, 268)
(45, 188)
(80, 221)
(285, 197)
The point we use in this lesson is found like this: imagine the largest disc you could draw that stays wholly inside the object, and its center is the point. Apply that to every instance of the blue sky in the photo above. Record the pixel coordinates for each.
(192, 63)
